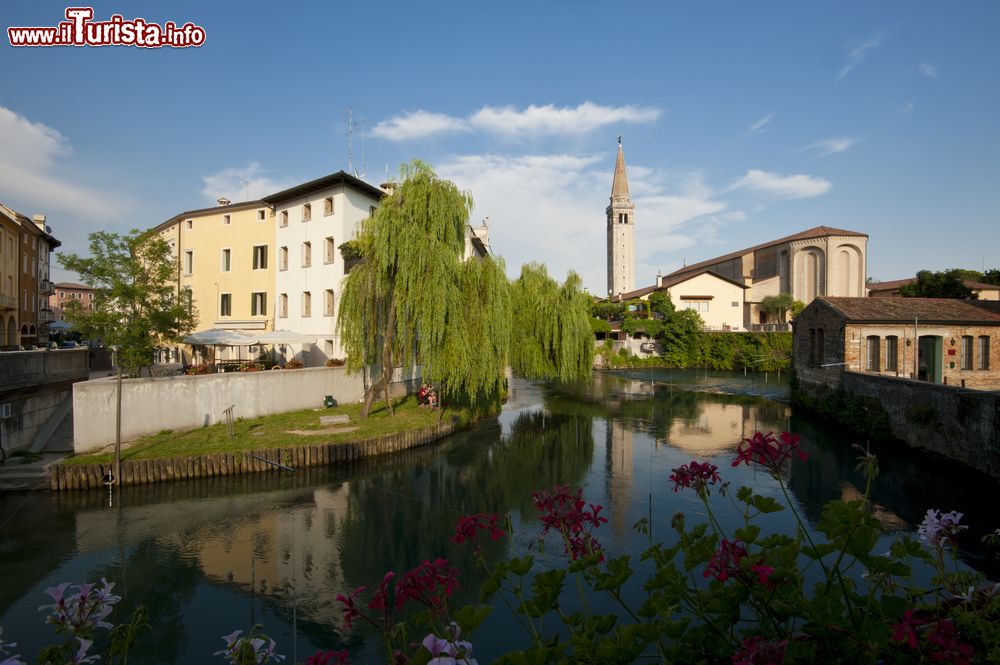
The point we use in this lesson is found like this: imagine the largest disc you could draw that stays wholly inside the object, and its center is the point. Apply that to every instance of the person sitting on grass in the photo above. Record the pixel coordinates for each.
(422, 394)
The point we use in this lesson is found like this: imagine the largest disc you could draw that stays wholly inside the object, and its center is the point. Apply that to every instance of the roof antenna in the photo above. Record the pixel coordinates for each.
(350, 131)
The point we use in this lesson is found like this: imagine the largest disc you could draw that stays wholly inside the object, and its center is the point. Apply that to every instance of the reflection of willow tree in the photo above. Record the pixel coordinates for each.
(396, 520)
(163, 580)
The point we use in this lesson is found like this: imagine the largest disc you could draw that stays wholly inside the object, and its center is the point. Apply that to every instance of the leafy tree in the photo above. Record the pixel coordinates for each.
(660, 303)
(991, 276)
(608, 311)
(797, 307)
(136, 305)
(411, 298)
(946, 284)
(777, 305)
(551, 326)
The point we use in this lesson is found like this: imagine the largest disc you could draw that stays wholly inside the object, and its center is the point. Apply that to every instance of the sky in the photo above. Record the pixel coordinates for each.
(741, 122)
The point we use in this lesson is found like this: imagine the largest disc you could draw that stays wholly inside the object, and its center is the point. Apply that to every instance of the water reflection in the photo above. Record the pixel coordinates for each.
(211, 556)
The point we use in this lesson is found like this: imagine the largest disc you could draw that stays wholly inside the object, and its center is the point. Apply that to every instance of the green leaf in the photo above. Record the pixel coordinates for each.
(766, 504)
(471, 617)
(747, 534)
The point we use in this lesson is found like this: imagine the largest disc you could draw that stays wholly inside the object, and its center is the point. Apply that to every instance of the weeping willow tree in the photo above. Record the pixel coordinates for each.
(411, 298)
(551, 326)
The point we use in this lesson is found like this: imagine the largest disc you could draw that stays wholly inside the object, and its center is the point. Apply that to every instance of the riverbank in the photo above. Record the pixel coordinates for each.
(296, 439)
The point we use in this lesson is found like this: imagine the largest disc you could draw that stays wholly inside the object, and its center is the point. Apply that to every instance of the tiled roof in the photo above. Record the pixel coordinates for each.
(929, 310)
(815, 232)
(72, 285)
(340, 177)
(673, 280)
(216, 208)
(896, 283)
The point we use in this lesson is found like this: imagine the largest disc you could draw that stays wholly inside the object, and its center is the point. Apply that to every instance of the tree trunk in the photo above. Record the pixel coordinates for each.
(382, 385)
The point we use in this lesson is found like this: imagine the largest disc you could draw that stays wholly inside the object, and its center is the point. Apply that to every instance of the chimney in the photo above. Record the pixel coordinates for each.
(223, 201)
(659, 279)
(388, 187)
(39, 221)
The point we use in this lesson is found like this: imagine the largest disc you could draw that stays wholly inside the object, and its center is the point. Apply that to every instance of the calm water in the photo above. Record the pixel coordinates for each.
(211, 556)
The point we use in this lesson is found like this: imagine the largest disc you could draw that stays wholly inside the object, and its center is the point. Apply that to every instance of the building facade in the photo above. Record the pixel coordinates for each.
(64, 293)
(821, 261)
(937, 340)
(25, 274)
(311, 221)
(718, 300)
(890, 289)
(10, 268)
(621, 236)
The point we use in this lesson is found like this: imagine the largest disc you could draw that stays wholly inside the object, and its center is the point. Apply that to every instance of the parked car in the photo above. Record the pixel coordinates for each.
(69, 344)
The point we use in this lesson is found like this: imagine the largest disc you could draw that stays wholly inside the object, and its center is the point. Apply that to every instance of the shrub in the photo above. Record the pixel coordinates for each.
(294, 363)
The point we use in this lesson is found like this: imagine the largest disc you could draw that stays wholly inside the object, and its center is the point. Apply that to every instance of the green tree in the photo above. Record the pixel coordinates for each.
(778, 305)
(136, 305)
(992, 276)
(660, 303)
(412, 299)
(945, 284)
(554, 338)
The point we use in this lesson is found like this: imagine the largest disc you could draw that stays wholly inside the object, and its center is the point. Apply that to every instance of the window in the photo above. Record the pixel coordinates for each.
(984, 352)
(258, 304)
(62, 294)
(225, 304)
(259, 257)
(307, 249)
(227, 220)
(696, 305)
(873, 363)
(283, 258)
(283, 218)
(328, 205)
(328, 347)
(260, 215)
(189, 299)
(892, 354)
(283, 305)
(736, 303)
(820, 349)
(328, 302)
(306, 303)
(190, 223)
(967, 352)
(307, 212)
(226, 259)
(329, 250)
(189, 262)
(371, 211)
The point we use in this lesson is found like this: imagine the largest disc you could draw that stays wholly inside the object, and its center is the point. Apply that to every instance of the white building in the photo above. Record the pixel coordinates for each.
(718, 300)
(311, 221)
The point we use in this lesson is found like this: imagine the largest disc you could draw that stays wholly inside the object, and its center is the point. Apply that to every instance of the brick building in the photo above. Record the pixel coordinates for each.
(890, 289)
(943, 341)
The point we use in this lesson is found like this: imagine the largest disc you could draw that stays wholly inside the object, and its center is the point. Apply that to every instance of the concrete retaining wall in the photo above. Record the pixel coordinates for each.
(150, 405)
(141, 472)
(957, 423)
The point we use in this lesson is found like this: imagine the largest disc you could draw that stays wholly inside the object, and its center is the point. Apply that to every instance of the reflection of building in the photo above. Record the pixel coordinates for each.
(717, 427)
(618, 472)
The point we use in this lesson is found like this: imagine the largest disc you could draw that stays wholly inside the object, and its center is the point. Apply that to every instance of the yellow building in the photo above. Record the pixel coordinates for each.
(10, 260)
(225, 264)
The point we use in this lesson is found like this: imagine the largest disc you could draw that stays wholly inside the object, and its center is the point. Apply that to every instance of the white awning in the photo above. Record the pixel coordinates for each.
(285, 337)
(216, 337)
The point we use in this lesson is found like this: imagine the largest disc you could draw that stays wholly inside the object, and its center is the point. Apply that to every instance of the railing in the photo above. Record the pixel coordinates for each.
(8, 302)
(46, 316)
(46, 288)
(771, 327)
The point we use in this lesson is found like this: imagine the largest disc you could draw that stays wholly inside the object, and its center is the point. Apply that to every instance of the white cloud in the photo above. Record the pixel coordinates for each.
(511, 122)
(31, 173)
(418, 124)
(858, 53)
(830, 146)
(246, 183)
(782, 186)
(758, 127)
(548, 119)
(906, 108)
(551, 208)
(928, 70)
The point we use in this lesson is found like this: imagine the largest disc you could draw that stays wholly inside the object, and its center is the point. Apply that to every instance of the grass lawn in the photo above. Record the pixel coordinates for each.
(274, 432)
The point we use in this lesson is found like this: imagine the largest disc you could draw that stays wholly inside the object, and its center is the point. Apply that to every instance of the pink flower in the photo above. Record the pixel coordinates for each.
(565, 511)
(758, 651)
(449, 650)
(767, 451)
(941, 529)
(430, 583)
(696, 475)
(469, 527)
(328, 658)
(725, 562)
(945, 645)
(763, 574)
(350, 607)
(906, 629)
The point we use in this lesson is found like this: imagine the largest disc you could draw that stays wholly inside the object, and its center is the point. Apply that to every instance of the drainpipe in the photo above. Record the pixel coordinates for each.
(916, 351)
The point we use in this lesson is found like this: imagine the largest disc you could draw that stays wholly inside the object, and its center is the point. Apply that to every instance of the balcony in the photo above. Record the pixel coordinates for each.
(46, 316)
(45, 287)
(8, 302)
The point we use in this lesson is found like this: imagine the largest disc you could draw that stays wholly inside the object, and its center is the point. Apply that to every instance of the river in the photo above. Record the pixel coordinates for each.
(210, 556)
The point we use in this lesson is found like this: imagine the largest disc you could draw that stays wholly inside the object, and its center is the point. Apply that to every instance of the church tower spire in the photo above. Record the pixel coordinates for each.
(621, 221)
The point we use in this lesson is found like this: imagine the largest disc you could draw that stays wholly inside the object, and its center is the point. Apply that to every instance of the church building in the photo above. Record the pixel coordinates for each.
(621, 237)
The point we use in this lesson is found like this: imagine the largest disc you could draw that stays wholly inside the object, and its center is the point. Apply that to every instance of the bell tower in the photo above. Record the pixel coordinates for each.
(621, 220)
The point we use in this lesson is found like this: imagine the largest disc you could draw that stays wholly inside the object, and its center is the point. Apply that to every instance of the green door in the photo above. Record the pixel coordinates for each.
(929, 358)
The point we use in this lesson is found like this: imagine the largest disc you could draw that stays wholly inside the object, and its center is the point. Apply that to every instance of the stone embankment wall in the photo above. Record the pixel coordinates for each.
(141, 472)
(958, 423)
(150, 405)
(33, 384)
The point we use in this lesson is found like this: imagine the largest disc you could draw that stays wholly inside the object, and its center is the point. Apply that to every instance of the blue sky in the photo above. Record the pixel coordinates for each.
(741, 121)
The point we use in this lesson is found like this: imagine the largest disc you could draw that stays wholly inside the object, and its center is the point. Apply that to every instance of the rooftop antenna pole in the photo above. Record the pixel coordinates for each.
(364, 167)
(350, 130)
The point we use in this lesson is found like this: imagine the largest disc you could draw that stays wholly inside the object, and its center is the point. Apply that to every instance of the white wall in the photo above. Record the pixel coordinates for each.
(723, 294)
(185, 402)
